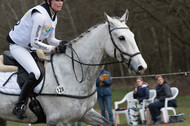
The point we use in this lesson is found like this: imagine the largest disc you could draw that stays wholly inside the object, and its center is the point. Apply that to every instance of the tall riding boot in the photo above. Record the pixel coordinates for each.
(28, 86)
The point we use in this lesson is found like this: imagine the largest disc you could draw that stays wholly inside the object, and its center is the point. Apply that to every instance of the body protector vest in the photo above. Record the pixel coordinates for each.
(21, 33)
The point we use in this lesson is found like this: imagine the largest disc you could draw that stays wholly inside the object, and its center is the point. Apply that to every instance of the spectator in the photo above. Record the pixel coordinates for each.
(163, 91)
(78, 124)
(142, 91)
(103, 84)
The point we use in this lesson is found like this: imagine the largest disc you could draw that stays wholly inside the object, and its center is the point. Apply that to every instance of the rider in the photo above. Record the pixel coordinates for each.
(37, 24)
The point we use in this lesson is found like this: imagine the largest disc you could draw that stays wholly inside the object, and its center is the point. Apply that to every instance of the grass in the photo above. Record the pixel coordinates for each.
(118, 94)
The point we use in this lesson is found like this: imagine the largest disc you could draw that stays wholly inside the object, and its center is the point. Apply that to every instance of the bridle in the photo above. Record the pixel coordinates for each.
(117, 48)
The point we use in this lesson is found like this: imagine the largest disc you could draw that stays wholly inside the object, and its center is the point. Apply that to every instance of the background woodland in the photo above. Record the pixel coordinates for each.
(161, 27)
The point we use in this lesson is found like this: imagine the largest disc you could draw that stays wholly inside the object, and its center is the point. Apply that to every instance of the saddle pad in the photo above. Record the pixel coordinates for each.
(12, 86)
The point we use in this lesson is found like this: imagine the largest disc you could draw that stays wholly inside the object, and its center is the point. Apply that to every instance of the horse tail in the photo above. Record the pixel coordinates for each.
(3, 122)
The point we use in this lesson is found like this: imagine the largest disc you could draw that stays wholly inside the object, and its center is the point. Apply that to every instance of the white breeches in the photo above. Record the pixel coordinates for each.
(25, 59)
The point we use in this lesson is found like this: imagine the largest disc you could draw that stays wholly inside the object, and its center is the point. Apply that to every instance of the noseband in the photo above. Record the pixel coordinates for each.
(117, 48)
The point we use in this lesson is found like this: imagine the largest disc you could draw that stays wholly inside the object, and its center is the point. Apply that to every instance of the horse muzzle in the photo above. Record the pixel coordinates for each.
(137, 65)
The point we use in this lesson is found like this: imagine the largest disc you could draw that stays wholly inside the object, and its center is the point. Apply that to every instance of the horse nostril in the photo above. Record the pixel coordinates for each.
(140, 68)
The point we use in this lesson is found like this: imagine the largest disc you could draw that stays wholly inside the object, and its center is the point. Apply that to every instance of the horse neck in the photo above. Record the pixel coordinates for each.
(90, 49)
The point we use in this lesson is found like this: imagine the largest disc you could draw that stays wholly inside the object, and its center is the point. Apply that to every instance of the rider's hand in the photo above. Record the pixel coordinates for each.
(60, 49)
(63, 42)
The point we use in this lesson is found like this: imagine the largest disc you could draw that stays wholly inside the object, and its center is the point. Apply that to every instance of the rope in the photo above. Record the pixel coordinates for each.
(153, 75)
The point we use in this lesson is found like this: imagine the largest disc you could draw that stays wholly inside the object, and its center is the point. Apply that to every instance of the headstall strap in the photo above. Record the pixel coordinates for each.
(118, 28)
(116, 47)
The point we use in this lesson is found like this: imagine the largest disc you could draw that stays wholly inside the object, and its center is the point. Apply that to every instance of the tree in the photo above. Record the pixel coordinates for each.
(162, 27)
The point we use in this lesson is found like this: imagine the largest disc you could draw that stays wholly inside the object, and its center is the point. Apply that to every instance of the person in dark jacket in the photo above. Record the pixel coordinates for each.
(103, 84)
(142, 91)
(163, 91)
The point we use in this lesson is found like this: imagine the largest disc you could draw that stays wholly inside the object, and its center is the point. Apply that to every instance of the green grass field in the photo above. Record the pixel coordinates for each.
(183, 107)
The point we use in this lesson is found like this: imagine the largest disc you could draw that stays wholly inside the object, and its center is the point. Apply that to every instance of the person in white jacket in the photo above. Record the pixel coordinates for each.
(37, 24)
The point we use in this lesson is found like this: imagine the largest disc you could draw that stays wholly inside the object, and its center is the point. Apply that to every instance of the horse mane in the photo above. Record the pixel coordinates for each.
(90, 29)
(87, 32)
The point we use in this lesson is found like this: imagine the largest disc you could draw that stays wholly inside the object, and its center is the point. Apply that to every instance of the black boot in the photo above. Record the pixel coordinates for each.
(19, 110)
(28, 86)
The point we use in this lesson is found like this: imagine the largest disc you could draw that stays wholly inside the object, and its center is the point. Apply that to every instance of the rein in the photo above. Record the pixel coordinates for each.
(116, 47)
(57, 81)
(81, 63)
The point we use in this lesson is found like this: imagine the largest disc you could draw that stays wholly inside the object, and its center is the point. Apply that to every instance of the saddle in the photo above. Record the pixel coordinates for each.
(10, 64)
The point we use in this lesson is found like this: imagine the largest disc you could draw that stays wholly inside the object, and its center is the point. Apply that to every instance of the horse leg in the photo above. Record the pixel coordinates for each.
(95, 119)
(3, 122)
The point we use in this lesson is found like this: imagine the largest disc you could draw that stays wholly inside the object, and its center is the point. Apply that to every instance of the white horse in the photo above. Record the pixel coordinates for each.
(112, 38)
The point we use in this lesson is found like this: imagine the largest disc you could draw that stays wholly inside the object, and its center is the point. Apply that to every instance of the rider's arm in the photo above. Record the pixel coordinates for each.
(38, 21)
(52, 40)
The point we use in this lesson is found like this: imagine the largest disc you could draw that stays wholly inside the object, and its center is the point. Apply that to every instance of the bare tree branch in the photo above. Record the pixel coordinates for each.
(161, 23)
(12, 10)
(1, 36)
(71, 18)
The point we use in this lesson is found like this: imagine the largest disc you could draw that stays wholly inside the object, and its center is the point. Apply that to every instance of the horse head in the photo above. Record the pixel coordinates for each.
(123, 46)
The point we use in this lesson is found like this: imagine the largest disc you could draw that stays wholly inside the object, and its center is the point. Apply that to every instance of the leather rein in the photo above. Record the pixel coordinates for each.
(81, 63)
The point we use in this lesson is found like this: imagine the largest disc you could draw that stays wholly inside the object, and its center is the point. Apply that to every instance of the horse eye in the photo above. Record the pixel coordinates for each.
(122, 38)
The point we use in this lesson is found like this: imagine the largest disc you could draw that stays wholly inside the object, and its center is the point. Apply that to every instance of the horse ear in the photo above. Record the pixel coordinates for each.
(108, 19)
(125, 16)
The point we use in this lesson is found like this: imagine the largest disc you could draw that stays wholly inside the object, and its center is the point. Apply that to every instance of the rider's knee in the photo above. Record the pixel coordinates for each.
(35, 75)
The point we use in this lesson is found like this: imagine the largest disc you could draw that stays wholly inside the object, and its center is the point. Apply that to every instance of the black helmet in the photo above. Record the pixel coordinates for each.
(49, 2)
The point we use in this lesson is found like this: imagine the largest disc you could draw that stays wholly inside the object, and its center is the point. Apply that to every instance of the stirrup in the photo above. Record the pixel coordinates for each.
(20, 112)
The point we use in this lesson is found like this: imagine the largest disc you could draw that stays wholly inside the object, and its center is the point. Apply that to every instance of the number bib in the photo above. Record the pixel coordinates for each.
(60, 90)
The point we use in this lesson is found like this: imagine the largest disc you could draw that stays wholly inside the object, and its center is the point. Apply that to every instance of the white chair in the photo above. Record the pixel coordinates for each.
(128, 98)
(165, 109)
(146, 102)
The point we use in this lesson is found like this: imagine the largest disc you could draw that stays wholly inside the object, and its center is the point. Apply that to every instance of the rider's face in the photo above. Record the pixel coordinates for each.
(57, 5)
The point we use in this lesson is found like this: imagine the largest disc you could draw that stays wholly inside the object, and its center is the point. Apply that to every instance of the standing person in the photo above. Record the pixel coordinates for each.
(103, 84)
(37, 24)
(163, 91)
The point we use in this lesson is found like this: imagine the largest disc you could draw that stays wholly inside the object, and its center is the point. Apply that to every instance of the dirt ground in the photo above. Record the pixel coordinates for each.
(180, 81)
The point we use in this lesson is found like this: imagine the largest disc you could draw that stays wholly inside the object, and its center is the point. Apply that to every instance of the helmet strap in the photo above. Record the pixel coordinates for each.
(51, 7)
